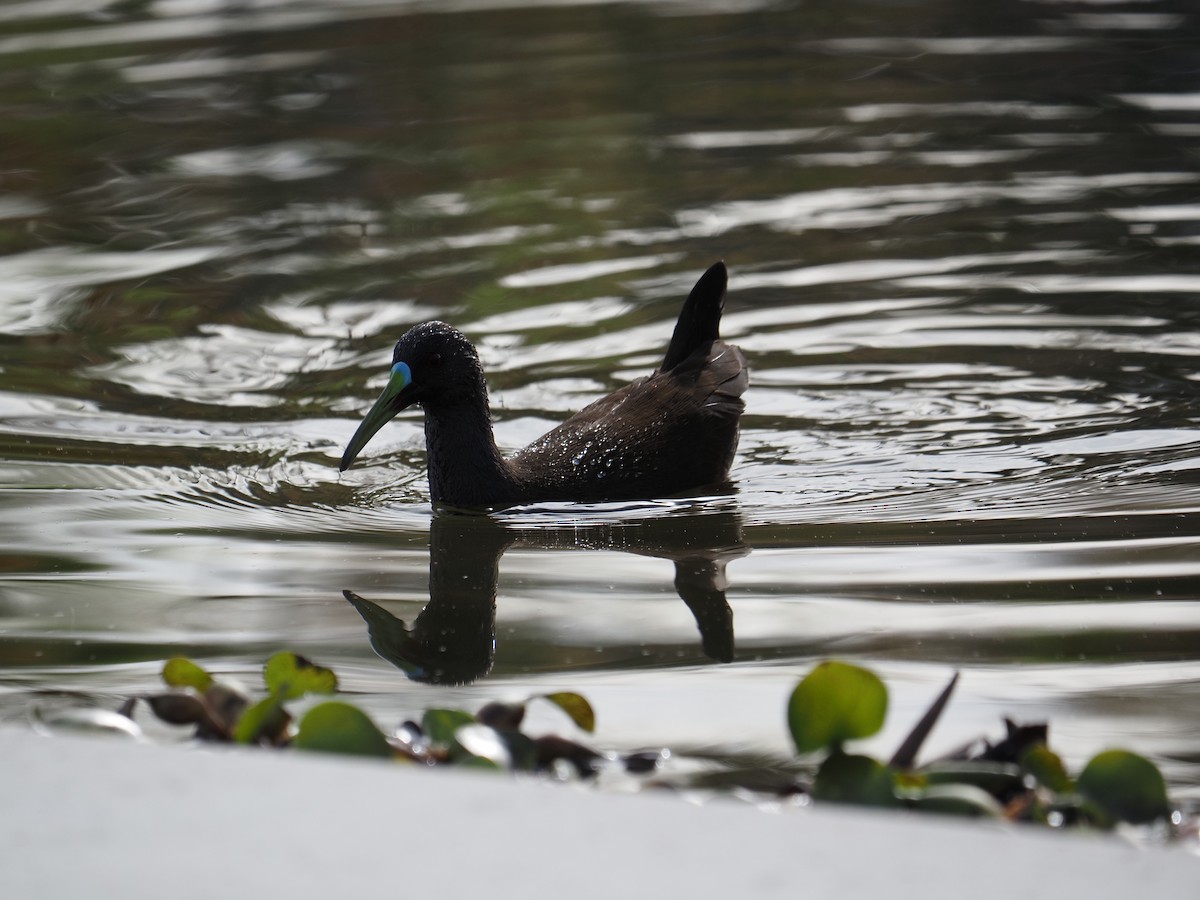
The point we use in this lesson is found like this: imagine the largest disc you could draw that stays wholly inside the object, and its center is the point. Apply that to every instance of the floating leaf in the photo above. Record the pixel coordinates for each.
(291, 676)
(843, 778)
(440, 725)
(1047, 767)
(1124, 786)
(335, 727)
(835, 702)
(575, 706)
(265, 722)
(182, 672)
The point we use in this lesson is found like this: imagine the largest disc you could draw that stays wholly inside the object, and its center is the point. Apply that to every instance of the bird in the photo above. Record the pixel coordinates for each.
(668, 433)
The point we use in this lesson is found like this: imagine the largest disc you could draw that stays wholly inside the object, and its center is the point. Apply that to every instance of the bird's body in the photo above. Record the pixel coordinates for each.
(672, 431)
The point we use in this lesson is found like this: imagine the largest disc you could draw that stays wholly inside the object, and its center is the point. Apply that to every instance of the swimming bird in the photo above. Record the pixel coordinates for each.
(669, 432)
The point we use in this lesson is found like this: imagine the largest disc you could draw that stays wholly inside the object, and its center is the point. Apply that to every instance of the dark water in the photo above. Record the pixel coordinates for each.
(965, 271)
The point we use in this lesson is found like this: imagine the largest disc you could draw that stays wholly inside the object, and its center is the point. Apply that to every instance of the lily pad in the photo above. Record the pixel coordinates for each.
(182, 672)
(334, 727)
(291, 676)
(440, 725)
(1124, 786)
(1047, 767)
(575, 706)
(843, 778)
(836, 702)
(265, 722)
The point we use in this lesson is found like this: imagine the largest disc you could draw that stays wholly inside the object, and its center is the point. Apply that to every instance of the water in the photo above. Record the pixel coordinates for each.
(963, 243)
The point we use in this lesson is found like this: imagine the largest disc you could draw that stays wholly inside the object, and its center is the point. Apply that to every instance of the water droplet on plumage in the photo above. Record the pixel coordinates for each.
(579, 457)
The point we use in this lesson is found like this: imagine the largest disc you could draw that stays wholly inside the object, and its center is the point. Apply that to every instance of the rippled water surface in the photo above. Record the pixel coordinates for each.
(963, 241)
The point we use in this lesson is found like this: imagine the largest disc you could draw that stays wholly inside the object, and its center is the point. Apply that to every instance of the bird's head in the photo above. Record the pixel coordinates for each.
(434, 365)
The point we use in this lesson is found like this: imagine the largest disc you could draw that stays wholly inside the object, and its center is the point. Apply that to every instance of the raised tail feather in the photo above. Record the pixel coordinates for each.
(700, 319)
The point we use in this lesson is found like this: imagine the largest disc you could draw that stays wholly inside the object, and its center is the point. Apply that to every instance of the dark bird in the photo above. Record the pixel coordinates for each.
(672, 431)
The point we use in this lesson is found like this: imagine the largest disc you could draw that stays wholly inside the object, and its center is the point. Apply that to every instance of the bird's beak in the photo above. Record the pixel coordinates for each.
(398, 395)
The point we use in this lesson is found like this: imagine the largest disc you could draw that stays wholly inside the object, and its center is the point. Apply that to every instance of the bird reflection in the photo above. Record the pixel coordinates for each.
(453, 639)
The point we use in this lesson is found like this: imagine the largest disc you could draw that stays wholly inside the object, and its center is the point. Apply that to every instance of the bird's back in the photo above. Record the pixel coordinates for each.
(672, 431)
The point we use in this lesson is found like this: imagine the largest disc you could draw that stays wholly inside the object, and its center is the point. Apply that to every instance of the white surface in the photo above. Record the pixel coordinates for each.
(103, 818)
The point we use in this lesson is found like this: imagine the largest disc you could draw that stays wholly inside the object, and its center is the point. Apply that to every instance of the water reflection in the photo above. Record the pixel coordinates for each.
(453, 639)
(964, 243)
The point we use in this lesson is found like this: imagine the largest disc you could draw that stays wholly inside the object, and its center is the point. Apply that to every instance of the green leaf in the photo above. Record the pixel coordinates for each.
(334, 727)
(1124, 786)
(264, 722)
(835, 702)
(1047, 767)
(440, 725)
(575, 706)
(181, 672)
(292, 676)
(843, 778)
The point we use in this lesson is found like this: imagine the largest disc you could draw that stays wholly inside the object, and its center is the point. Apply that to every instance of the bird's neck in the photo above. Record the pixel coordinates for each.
(466, 467)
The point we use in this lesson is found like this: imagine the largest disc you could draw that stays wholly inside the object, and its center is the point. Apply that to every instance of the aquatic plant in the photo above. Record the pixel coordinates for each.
(1018, 778)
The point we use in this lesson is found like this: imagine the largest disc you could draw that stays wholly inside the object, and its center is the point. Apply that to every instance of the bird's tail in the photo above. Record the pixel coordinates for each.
(700, 320)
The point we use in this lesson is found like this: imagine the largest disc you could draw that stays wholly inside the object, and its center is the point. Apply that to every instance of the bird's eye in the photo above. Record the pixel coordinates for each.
(436, 359)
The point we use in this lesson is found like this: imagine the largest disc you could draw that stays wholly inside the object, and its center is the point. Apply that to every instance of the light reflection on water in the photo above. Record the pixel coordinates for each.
(964, 283)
